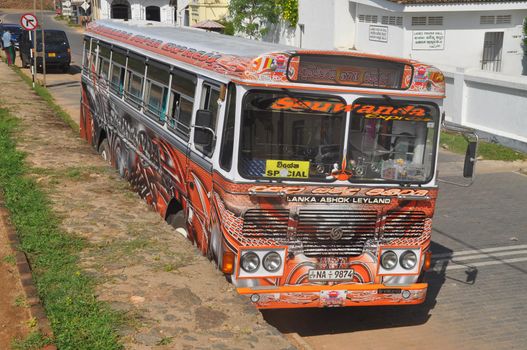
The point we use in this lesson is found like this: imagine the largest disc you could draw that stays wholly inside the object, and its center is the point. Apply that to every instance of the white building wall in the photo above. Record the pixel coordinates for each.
(489, 102)
(319, 31)
(464, 38)
(394, 44)
(327, 26)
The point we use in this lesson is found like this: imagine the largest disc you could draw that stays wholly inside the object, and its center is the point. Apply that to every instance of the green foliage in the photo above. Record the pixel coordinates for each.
(229, 26)
(289, 11)
(490, 151)
(34, 341)
(46, 96)
(78, 319)
(253, 17)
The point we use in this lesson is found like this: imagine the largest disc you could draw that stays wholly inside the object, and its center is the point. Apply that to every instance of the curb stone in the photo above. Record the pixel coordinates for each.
(36, 310)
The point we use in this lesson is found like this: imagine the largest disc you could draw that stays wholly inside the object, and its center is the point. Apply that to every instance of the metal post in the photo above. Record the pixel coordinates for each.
(32, 58)
(35, 54)
(43, 42)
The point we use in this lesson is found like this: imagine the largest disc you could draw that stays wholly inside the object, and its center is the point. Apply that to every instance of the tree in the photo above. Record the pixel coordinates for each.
(253, 17)
(289, 11)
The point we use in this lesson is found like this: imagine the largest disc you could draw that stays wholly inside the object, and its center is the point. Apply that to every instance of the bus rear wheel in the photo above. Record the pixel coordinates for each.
(104, 151)
(178, 222)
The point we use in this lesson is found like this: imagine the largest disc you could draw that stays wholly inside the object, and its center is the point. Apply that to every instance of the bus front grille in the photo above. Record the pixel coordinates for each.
(266, 223)
(325, 232)
(404, 224)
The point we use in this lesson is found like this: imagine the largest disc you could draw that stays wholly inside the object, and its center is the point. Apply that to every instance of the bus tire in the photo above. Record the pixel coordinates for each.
(120, 160)
(179, 223)
(104, 151)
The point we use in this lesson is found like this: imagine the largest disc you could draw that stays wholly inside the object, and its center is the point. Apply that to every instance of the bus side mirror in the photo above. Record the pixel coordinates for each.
(470, 159)
(204, 135)
(469, 165)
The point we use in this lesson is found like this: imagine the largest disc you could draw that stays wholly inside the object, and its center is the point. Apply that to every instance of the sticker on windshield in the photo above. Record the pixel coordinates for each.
(287, 168)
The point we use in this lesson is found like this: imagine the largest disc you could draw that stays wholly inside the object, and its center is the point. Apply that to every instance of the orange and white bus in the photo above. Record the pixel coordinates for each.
(308, 176)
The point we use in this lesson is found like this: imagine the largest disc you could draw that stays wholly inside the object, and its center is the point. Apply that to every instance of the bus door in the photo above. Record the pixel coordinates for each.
(199, 171)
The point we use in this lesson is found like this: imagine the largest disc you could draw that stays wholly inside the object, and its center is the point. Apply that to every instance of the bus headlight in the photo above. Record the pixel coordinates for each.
(272, 262)
(408, 260)
(388, 260)
(250, 262)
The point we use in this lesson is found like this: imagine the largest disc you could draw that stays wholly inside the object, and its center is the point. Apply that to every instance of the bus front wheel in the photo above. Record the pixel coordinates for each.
(179, 223)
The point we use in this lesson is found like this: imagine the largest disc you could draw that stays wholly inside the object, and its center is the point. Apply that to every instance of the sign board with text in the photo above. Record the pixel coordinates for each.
(428, 40)
(378, 33)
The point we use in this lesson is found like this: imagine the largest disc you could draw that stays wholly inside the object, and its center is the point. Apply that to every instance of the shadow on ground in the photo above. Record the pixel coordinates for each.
(312, 322)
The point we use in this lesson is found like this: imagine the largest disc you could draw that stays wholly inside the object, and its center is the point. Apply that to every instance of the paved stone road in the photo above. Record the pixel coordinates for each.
(477, 296)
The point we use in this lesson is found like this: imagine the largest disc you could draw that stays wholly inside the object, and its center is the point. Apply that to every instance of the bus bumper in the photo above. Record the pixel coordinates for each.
(303, 296)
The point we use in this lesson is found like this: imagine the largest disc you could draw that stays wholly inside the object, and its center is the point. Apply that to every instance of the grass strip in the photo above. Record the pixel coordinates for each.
(78, 319)
(490, 151)
(46, 96)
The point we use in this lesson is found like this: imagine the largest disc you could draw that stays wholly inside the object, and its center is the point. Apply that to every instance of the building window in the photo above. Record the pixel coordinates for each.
(431, 21)
(500, 19)
(418, 21)
(153, 13)
(503, 19)
(435, 21)
(392, 20)
(368, 18)
(121, 10)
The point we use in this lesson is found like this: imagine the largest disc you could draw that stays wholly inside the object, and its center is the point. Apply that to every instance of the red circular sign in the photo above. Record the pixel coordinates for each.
(29, 21)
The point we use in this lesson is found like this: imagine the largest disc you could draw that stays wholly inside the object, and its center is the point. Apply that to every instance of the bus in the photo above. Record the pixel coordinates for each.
(309, 177)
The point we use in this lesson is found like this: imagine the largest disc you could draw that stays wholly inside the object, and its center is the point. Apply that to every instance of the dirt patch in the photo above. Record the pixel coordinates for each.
(171, 297)
(14, 308)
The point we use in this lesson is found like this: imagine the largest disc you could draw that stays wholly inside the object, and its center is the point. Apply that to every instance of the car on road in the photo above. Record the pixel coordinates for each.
(58, 51)
(15, 29)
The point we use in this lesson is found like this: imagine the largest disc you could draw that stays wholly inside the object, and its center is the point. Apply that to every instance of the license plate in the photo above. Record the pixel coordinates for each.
(52, 54)
(330, 275)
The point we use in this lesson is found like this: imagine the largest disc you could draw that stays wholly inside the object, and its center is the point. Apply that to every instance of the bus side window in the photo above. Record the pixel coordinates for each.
(209, 101)
(103, 66)
(92, 56)
(134, 81)
(181, 102)
(227, 140)
(117, 72)
(157, 91)
(85, 58)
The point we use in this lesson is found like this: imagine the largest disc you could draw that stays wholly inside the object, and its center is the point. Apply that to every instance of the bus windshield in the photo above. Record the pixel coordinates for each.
(281, 141)
(392, 141)
(288, 136)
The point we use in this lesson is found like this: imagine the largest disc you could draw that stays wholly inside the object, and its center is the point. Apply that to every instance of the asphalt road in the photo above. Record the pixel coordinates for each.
(46, 20)
(65, 88)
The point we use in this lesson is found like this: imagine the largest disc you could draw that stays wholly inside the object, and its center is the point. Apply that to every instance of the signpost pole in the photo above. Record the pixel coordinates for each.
(29, 22)
(32, 58)
(43, 43)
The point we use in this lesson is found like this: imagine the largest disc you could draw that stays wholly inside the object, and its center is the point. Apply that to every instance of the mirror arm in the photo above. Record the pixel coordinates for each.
(206, 128)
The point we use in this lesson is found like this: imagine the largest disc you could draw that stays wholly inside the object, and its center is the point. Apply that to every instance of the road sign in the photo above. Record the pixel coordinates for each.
(85, 6)
(29, 21)
(66, 4)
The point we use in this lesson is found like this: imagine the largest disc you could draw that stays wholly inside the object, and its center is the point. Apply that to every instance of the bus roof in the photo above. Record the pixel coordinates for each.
(258, 63)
